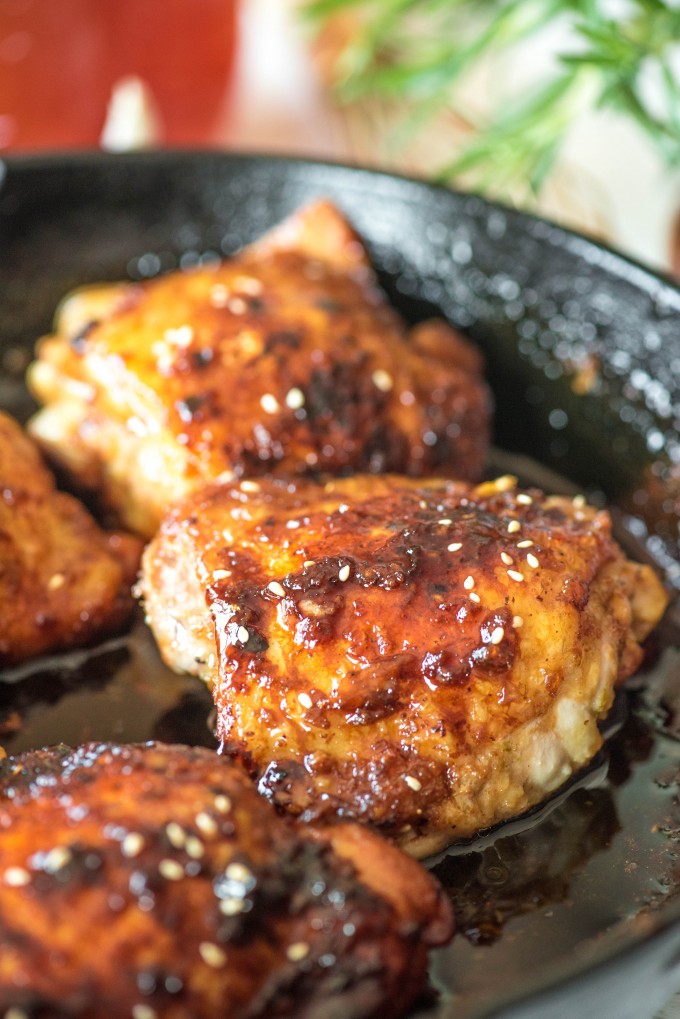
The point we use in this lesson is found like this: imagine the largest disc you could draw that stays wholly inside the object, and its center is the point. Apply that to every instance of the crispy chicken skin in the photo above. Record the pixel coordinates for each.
(427, 657)
(153, 881)
(285, 359)
(63, 581)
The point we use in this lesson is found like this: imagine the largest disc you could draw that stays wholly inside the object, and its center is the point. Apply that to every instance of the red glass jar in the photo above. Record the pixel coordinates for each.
(60, 61)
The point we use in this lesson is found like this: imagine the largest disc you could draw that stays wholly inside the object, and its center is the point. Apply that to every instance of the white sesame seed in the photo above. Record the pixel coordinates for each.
(382, 380)
(579, 501)
(238, 872)
(276, 589)
(269, 403)
(295, 398)
(527, 543)
(517, 621)
(413, 783)
(57, 858)
(455, 546)
(219, 295)
(206, 824)
(176, 835)
(237, 305)
(497, 635)
(194, 847)
(343, 573)
(445, 521)
(507, 559)
(221, 574)
(524, 500)
(142, 1012)
(514, 575)
(305, 700)
(16, 877)
(513, 526)
(212, 955)
(473, 596)
(171, 870)
(132, 844)
(308, 562)
(249, 486)
(231, 906)
(222, 804)
(298, 951)
(242, 635)
(533, 561)
(181, 337)
(292, 525)
(56, 581)
(248, 285)
(469, 583)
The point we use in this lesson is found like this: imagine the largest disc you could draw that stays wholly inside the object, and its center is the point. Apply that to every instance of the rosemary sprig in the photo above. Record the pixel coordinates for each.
(422, 51)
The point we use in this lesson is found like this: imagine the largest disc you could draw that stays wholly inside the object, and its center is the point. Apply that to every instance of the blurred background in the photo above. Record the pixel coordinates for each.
(566, 107)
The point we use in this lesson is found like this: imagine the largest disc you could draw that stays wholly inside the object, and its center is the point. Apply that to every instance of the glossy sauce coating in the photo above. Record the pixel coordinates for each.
(431, 658)
(285, 359)
(153, 881)
(63, 581)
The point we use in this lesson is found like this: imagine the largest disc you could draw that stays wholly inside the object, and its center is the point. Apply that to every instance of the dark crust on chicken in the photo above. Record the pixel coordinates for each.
(430, 658)
(63, 581)
(154, 881)
(284, 359)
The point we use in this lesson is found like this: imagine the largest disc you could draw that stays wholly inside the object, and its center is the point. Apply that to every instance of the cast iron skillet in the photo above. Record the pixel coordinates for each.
(573, 911)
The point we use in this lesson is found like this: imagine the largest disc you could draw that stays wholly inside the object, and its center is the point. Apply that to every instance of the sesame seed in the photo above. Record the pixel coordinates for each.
(176, 835)
(343, 573)
(212, 955)
(221, 574)
(57, 858)
(219, 295)
(143, 1012)
(524, 500)
(181, 337)
(382, 380)
(56, 581)
(132, 844)
(248, 285)
(445, 522)
(298, 951)
(222, 804)
(249, 486)
(517, 621)
(513, 526)
(308, 562)
(533, 561)
(238, 872)
(455, 546)
(305, 700)
(514, 575)
(171, 870)
(525, 544)
(497, 635)
(232, 906)
(292, 525)
(206, 824)
(469, 583)
(269, 403)
(15, 1013)
(16, 877)
(579, 501)
(295, 398)
(413, 783)
(237, 305)
(194, 847)
(242, 635)
(507, 559)
(473, 596)
(276, 589)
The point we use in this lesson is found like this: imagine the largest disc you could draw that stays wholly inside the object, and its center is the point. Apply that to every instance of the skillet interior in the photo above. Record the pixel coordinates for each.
(579, 911)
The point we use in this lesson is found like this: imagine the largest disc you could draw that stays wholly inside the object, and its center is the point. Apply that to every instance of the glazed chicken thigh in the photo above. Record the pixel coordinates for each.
(152, 882)
(63, 581)
(431, 658)
(286, 358)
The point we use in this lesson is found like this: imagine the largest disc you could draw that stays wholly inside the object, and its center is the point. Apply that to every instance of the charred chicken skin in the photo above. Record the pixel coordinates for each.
(284, 359)
(152, 881)
(431, 658)
(63, 581)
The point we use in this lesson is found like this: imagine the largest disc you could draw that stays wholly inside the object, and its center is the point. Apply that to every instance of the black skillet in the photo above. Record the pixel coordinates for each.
(574, 911)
